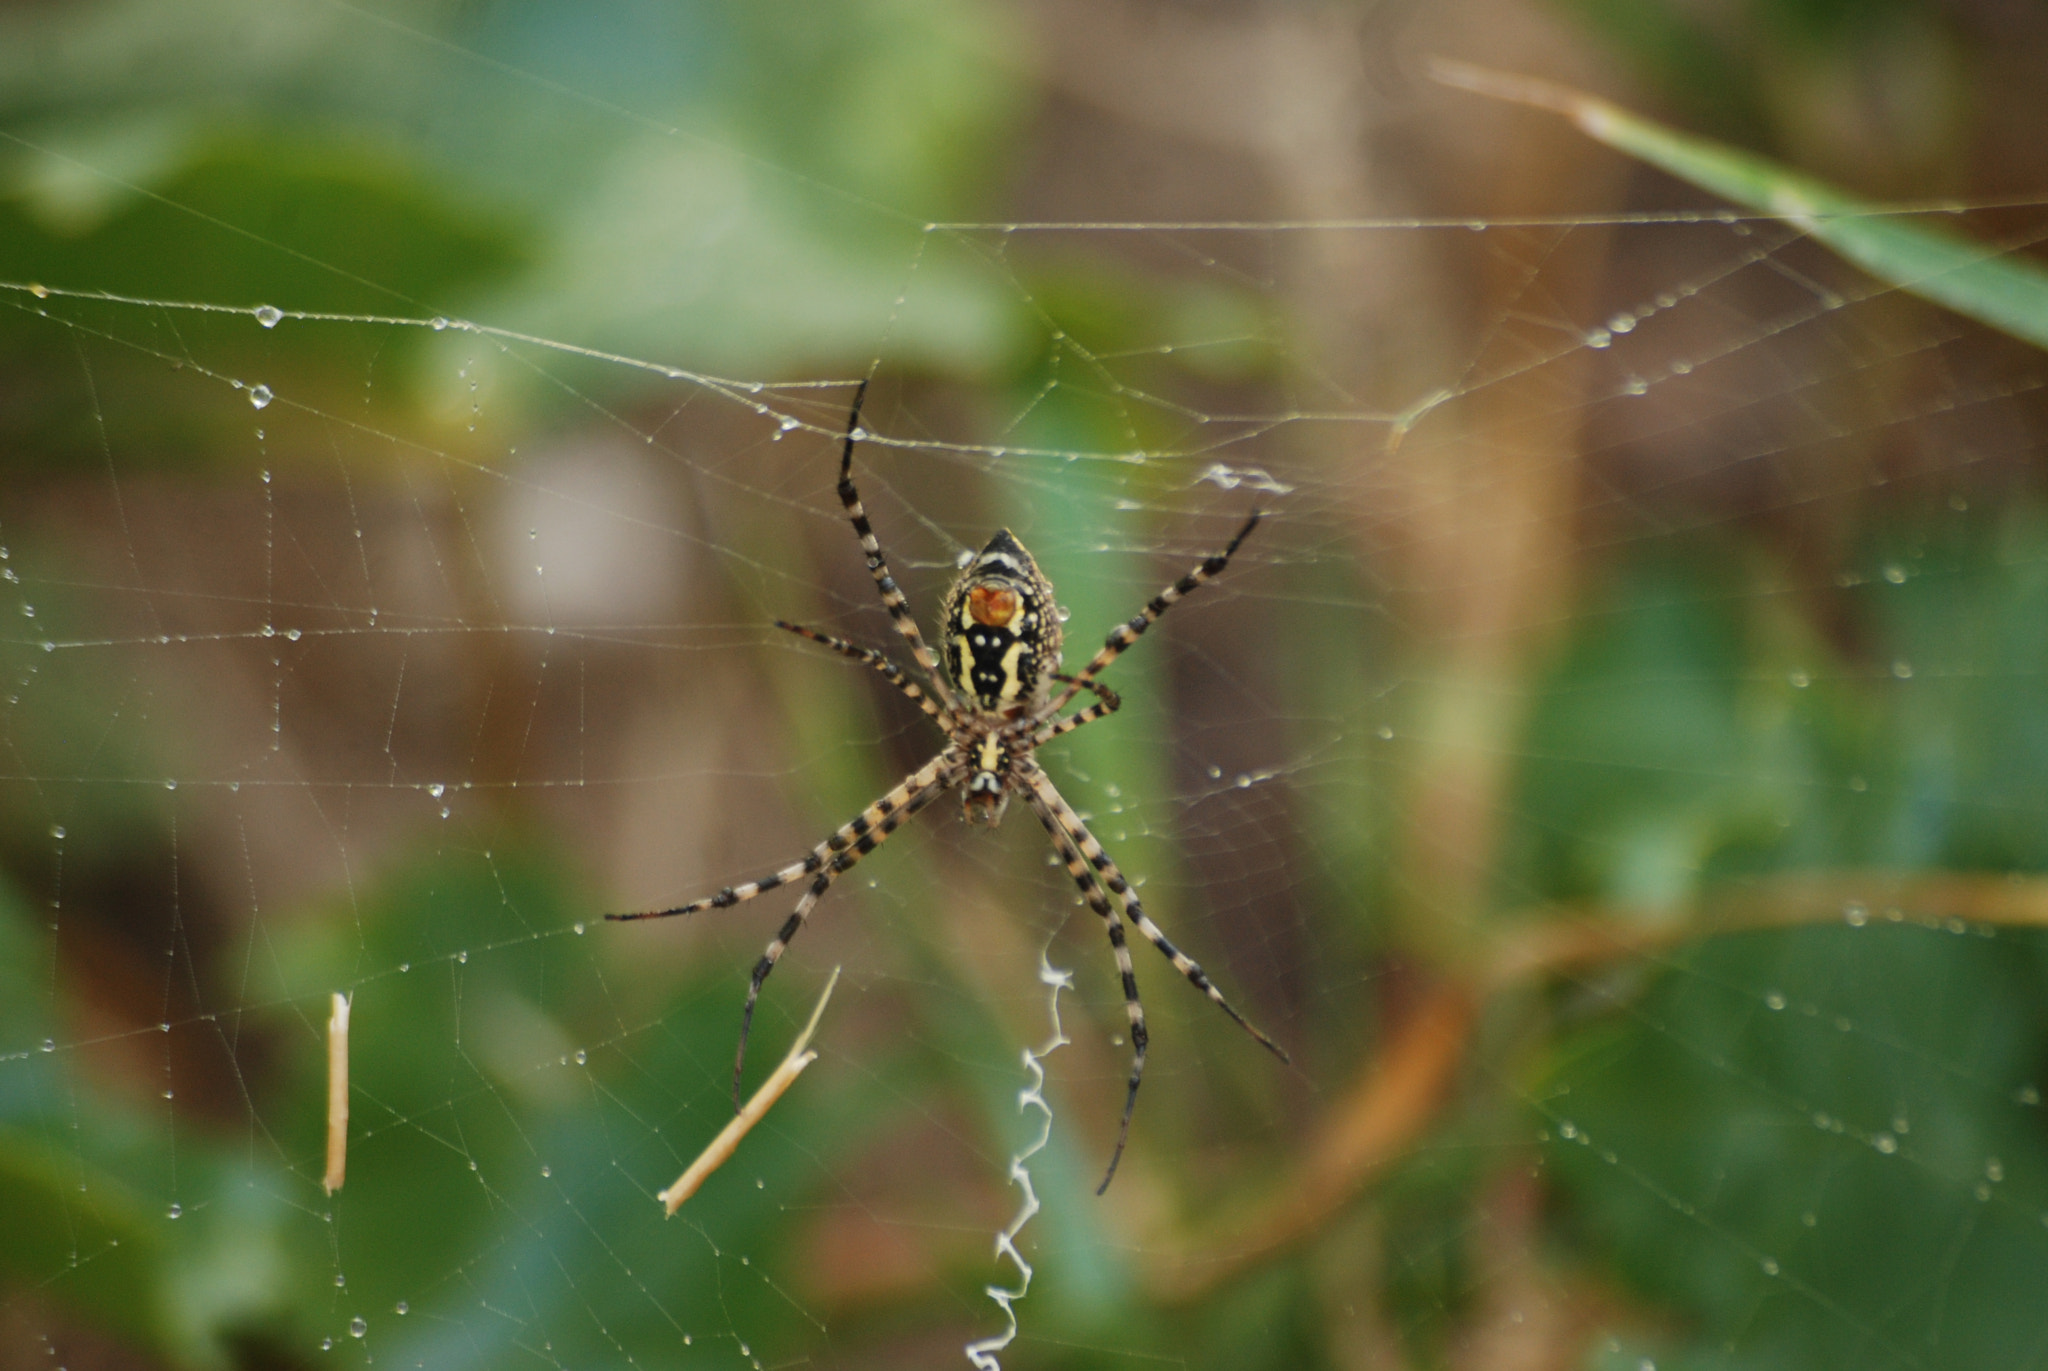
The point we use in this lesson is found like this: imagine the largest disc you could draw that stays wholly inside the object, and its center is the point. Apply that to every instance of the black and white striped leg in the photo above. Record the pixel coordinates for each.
(868, 841)
(891, 672)
(849, 835)
(1042, 787)
(1098, 900)
(1107, 702)
(878, 565)
(1129, 633)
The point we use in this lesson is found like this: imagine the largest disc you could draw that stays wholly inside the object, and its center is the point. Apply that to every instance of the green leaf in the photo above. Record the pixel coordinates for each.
(1982, 281)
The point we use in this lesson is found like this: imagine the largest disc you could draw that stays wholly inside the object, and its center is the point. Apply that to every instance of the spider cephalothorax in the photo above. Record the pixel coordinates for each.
(1002, 652)
(1001, 645)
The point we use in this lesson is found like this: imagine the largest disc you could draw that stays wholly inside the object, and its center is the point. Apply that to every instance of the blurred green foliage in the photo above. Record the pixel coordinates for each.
(1809, 1147)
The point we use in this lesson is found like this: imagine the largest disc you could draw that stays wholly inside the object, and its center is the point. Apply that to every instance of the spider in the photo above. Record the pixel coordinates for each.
(1001, 646)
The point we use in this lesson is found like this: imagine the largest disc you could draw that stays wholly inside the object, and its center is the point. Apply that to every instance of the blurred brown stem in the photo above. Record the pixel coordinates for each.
(1401, 1092)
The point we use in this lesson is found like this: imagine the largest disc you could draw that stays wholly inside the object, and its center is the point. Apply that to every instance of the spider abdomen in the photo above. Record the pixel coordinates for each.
(1002, 632)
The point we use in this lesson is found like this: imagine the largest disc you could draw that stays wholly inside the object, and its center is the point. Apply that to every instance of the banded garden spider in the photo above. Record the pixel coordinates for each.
(1002, 650)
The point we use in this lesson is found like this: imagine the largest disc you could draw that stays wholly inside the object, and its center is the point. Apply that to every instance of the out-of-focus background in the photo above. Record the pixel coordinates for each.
(1617, 769)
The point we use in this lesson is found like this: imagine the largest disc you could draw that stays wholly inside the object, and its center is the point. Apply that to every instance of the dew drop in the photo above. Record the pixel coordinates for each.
(260, 396)
(404, 967)
(291, 634)
(340, 1281)
(49, 1044)
(1062, 613)
(438, 323)
(579, 928)
(582, 1057)
(1770, 1267)
(57, 832)
(268, 315)
(175, 1211)
(1895, 574)
(1599, 338)
(1622, 323)
(1800, 680)
(546, 1171)
(1244, 782)
(326, 1344)
(1774, 1000)
(437, 790)
(401, 1308)
(357, 1326)
(1681, 366)
(39, 290)
(1637, 386)
(463, 956)
(1885, 1143)
(171, 784)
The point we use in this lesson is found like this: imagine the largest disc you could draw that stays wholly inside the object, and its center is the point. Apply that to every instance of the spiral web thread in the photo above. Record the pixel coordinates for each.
(983, 1353)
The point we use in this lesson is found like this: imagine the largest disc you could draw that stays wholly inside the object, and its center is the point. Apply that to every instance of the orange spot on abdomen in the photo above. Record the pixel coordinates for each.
(992, 606)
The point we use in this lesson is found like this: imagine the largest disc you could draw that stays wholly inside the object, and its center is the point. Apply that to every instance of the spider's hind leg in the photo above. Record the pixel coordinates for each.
(867, 831)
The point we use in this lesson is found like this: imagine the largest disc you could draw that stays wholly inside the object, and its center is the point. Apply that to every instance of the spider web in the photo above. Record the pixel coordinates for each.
(1613, 769)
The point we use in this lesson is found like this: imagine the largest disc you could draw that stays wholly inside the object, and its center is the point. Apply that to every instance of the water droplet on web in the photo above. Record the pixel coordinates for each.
(268, 315)
(260, 396)
(170, 785)
(1622, 323)
(463, 956)
(582, 1057)
(1637, 386)
(39, 290)
(1681, 367)
(1885, 1143)
(579, 928)
(49, 1044)
(787, 423)
(1994, 1169)
(1244, 782)
(2027, 1094)
(340, 1281)
(1800, 680)
(1770, 1267)
(1810, 1219)
(291, 634)
(1903, 669)
(1599, 338)
(1855, 915)
(326, 1344)
(437, 323)
(1062, 613)
(1895, 574)
(546, 1171)
(57, 831)
(1774, 1000)
(437, 790)
(175, 1211)
(404, 967)
(357, 1326)
(401, 1308)
(1215, 773)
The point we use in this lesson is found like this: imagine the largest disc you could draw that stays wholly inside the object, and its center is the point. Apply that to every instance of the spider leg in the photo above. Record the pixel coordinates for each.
(1098, 900)
(867, 831)
(1042, 787)
(1126, 634)
(1107, 702)
(878, 565)
(891, 672)
(847, 836)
